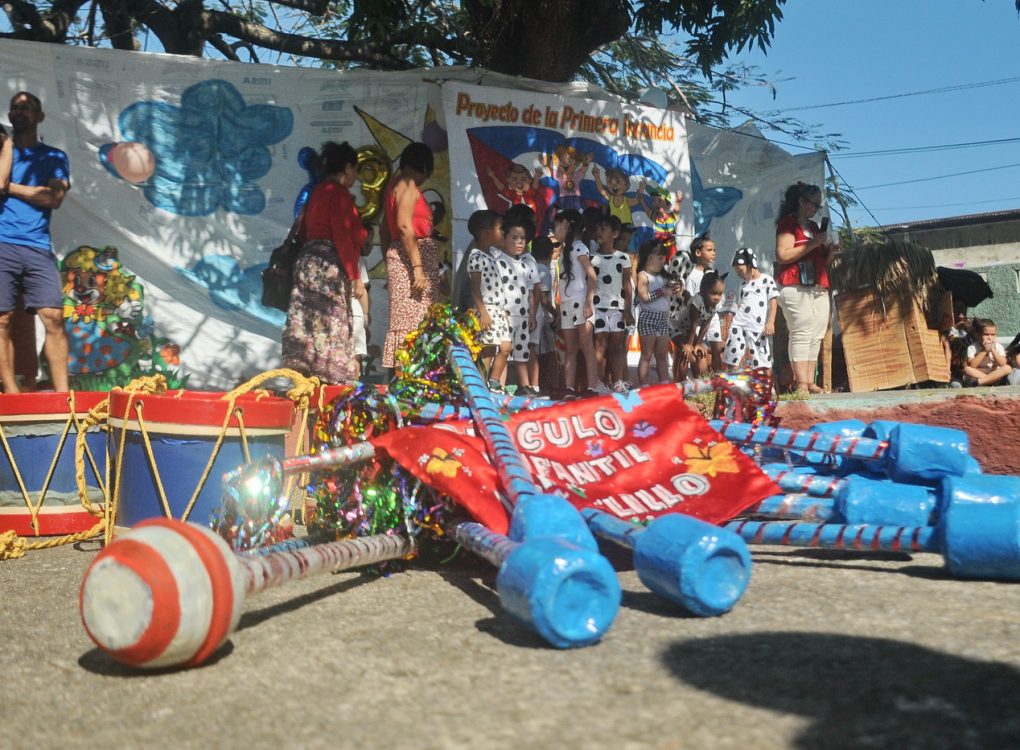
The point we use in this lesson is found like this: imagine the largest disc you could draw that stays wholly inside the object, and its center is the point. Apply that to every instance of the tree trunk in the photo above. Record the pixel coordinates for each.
(544, 40)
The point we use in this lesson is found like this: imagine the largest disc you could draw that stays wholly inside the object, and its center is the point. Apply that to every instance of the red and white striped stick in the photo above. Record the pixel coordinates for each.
(170, 593)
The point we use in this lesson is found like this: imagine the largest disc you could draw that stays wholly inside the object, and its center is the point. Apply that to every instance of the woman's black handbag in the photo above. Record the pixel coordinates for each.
(278, 276)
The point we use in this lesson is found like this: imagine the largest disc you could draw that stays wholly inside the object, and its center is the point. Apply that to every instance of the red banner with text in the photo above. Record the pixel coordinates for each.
(636, 455)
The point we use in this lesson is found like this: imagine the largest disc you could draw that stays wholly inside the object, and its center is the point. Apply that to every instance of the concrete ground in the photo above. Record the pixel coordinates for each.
(825, 650)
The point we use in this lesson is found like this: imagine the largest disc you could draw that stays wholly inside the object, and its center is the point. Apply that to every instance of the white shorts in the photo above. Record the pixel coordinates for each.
(714, 332)
(520, 338)
(498, 332)
(609, 321)
(571, 313)
(743, 341)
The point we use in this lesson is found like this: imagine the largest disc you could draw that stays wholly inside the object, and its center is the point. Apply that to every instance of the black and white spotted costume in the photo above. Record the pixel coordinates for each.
(696, 313)
(749, 316)
(536, 288)
(517, 283)
(484, 262)
(574, 292)
(608, 303)
(677, 270)
(693, 287)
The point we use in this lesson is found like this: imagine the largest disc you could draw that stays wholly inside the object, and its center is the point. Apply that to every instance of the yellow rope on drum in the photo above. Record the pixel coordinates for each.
(304, 388)
(301, 394)
(11, 545)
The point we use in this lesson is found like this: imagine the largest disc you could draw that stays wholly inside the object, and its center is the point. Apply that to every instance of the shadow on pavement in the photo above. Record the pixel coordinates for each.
(97, 662)
(254, 617)
(859, 692)
(843, 560)
(503, 627)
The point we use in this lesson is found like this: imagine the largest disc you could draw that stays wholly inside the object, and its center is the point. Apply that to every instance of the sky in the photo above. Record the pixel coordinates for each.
(846, 50)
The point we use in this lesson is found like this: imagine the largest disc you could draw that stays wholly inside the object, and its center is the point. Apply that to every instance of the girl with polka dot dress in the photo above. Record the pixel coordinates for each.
(488, 296)
(754, 316)
(613, 303)
(577, 294)
(518, 279)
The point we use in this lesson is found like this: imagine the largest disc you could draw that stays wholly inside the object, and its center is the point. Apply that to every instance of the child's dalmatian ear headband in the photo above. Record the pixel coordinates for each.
(745, 256)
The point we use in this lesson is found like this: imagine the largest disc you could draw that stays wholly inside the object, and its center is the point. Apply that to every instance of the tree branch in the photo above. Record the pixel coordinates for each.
(312, 7)
(293, 44)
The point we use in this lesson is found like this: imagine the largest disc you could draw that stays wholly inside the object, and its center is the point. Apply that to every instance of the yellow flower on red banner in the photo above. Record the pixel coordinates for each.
(709, 460)
(443, 463)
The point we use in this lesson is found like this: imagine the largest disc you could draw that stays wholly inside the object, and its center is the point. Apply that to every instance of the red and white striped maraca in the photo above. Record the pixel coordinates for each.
(170, 593)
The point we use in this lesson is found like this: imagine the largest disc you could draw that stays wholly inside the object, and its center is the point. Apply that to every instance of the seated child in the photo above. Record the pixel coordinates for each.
(986, 359)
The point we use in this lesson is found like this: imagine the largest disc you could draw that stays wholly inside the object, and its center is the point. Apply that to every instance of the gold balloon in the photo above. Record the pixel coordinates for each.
(374, 170)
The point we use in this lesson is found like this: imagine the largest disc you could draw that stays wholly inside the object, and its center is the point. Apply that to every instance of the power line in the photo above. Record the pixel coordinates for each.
(922, 149)
(939, 177)
(943, 90)
(946, 205)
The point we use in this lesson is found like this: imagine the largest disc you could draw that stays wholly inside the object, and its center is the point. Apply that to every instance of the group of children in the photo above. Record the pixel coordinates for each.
(580, 286)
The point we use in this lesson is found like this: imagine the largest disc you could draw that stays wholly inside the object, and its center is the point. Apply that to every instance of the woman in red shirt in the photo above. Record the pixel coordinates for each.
(412, 255)
(802, 252)
(317, 335)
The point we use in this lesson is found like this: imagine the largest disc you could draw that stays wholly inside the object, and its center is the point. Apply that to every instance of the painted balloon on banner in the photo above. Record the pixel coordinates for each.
(133, 161)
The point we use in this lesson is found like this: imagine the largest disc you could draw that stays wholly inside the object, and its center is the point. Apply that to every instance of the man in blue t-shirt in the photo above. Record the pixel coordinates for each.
(39, 179)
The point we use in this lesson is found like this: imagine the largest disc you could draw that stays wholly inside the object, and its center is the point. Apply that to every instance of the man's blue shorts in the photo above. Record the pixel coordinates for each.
(31, 272)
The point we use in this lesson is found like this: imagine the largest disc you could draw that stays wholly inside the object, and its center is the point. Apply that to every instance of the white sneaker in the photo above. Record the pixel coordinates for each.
(621, 387)
(601, 388)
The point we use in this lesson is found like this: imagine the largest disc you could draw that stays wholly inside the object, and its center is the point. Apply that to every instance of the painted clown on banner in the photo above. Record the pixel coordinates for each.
(552, 153)
(110, 336)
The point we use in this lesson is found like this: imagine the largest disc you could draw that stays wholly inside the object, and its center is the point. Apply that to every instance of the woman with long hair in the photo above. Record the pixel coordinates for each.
(412, 254)
(317, 336)
(802, 252)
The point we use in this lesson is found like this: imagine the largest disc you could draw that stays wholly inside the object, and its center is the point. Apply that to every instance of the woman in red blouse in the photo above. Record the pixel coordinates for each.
(802, 252)
(412, 254)
(317, 335)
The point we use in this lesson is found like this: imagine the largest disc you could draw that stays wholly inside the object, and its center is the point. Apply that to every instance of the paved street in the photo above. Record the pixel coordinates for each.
(825, 650)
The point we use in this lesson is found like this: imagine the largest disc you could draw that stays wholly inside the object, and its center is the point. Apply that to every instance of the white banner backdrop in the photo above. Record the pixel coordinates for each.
(226, 142)
(192, 169)
(738, 180)
(493, 132)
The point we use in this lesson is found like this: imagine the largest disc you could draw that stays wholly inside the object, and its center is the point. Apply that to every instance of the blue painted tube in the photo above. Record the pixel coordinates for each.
(703, 568)
(531, 519)
(797, 506)
(799, 469)
(847, 428)
(919, 452)
(912, 453)
(566, 594)
(978, 532)
(916, 507)
(508, 404)
(808, 484)
(881, 430)
(981, 538)
(860, 499)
